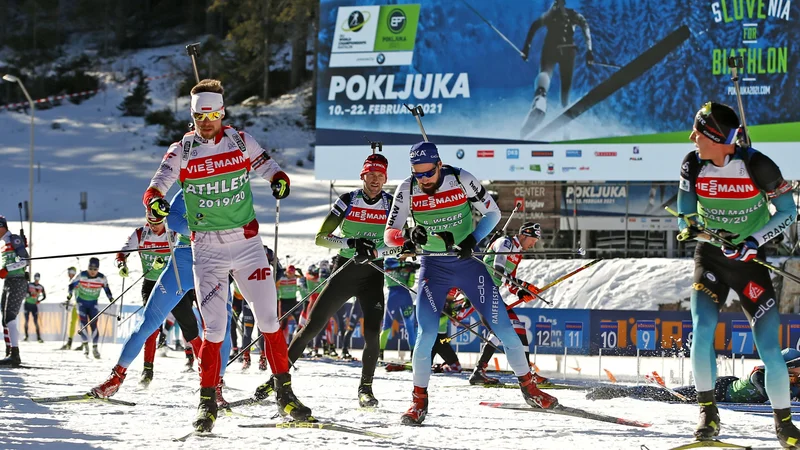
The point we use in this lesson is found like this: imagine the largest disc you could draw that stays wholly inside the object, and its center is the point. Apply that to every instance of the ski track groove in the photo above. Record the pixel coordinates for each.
(455, 420)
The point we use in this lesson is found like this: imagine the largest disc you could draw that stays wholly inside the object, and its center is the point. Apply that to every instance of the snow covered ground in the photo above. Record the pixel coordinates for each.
(455, 419)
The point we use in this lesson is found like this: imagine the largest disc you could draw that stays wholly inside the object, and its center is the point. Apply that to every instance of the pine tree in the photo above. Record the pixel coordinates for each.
(136, 103)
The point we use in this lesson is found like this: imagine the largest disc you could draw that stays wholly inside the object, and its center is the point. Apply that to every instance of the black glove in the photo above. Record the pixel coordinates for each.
(409, 246)
(159, 207)
(365, 249)
(589, 57)
(280, 185)
(448, 239)
(418, 235)
(466, 247)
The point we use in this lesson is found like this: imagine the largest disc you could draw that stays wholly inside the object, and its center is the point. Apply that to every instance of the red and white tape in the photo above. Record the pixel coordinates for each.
(77, 94)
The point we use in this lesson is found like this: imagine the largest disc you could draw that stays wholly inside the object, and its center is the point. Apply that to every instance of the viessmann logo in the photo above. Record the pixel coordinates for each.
(485, 153)
(731, 188)
(605, 154)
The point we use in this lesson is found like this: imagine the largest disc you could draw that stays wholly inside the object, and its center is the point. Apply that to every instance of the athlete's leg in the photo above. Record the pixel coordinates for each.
(338, 290)
(253, 275)
(371, 300)
(435, 281)
(566, 65)
(477, 285)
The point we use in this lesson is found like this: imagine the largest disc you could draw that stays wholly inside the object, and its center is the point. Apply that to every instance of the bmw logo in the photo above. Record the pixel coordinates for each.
(381, 58)
(460, 153)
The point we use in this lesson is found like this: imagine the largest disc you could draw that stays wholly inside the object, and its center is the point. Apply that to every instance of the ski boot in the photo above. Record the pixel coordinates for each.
(206, 410)
(86, 349)
(81, 347)
(381, 356)
(346, 355)
(708, 424)
(147, 375)
(189, 366)
(419, 407)
(452, 368)
(288, 404)
(39, 340)
(366, 399)
(13, 358)
(221, 402)
(68, 345)
(266, 390)
(162, 340)
(533, 395)
(111, 385)
(538, 379)
(26, 339)
(788, 434)
(262, 363)
(234, 352)
(479, 376)
(8, 351)
(95, 352)
(246, 361)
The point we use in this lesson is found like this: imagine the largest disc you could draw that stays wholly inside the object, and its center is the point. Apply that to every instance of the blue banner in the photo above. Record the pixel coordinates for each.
(548, 90)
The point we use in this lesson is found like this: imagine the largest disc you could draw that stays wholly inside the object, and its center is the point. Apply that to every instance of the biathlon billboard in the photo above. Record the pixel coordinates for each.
(553, 90)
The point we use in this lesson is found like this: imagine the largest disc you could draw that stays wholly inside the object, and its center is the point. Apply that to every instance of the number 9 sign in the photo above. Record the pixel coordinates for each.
(646, 335)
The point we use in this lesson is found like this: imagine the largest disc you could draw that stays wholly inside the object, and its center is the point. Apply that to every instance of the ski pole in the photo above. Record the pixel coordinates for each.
(121, 299)
(722, 240)
(132, 314)
(544, 288)
(735, 63)
(280, 319)
(192, 51)
(493, 28)
(376, 267)
(511, 280)
(134, 250)
(579, 252)
(277, 221)
(505, 226)
(417, 112)
(112, 302)
(174, 261)
(599, 64)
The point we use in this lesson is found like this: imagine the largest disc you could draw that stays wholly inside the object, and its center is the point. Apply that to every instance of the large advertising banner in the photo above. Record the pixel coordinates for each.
(618, 206)
(569, 90)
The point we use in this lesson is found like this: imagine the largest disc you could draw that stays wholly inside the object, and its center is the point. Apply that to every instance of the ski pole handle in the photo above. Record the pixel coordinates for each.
(192, 51)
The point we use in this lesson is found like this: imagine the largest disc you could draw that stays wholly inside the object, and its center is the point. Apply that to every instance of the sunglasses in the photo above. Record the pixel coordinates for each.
(214, 115)
(93, 268)
(428, 174)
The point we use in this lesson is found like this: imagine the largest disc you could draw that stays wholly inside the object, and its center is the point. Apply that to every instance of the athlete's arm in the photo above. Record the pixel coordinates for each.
(398, 214)
(779, 193)
(260, 161)
(132, 244)
(44, 295)
(581, 21)
(107, 288)
(531, 32)
(176, 220)
(483, 203)
(500, 245)
(19, 248)
(325, 237)
(687, 196)
(74, 283)
(166, 175)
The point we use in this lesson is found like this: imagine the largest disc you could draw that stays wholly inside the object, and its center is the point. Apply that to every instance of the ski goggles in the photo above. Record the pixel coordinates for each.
(706, 124)
(428, 174)
(531, 230)
(211, 116)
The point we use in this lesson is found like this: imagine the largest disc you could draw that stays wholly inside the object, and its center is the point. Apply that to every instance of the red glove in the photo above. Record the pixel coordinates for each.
(150, 194)
(3, 272)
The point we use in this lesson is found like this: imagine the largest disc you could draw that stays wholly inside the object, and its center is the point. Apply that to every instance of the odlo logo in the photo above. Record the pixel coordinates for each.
(396, 21)
(762, 309)
(260, 274)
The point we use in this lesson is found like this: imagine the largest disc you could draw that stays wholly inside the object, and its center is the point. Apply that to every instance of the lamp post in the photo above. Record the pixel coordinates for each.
(12, 79)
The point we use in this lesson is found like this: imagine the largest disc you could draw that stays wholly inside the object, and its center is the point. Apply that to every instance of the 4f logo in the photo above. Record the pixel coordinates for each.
(260, 274)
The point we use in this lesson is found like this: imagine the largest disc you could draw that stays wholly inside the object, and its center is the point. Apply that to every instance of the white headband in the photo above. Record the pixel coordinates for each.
(207, 102)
